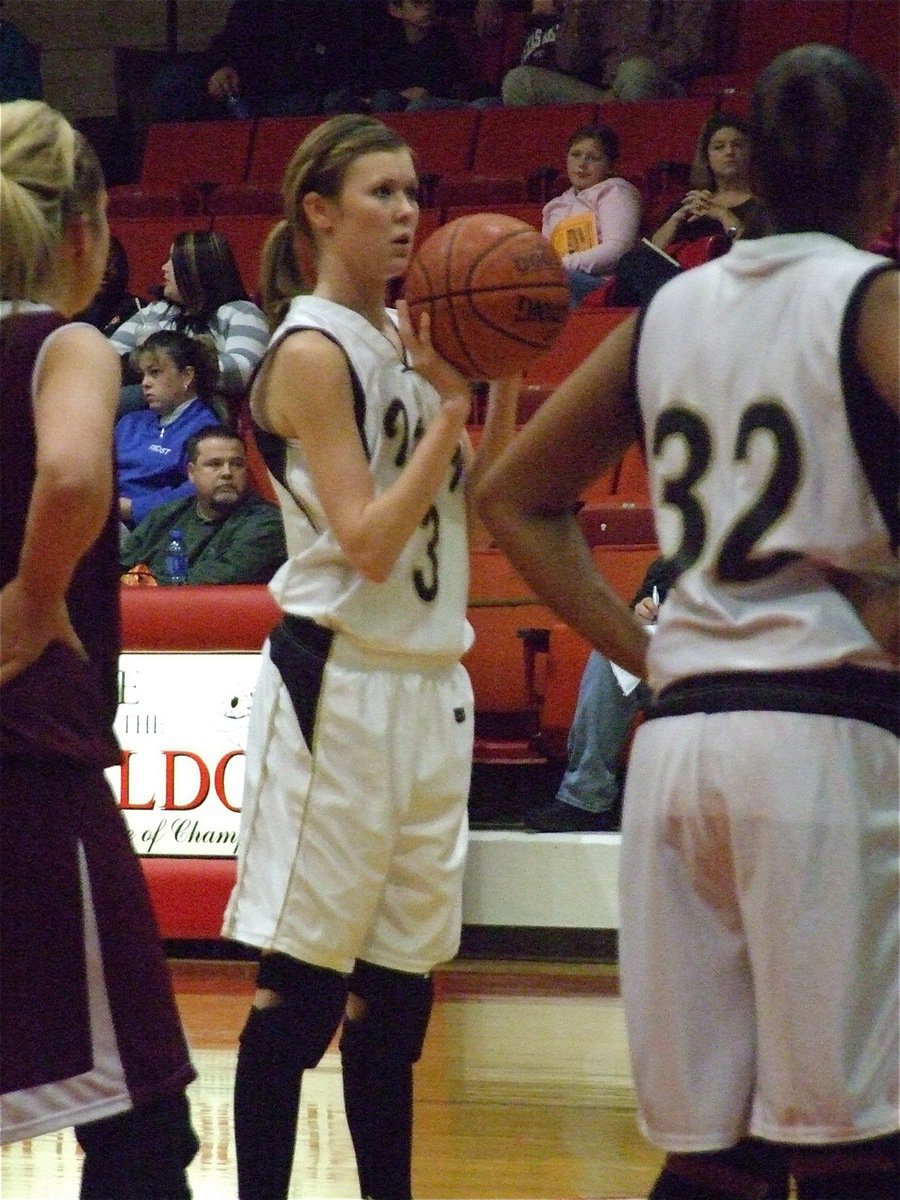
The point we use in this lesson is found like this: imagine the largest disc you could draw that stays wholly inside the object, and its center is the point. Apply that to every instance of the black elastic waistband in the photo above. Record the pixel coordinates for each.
(301, 630)
(858, 693)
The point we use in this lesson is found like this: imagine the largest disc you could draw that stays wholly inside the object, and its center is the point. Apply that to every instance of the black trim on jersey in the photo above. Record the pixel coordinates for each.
(359, 396)
(875, 429)
(857, 693)
(299, 650)
(631, 392)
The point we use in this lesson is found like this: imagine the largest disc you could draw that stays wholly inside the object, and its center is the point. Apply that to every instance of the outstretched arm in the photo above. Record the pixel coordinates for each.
(527, 499)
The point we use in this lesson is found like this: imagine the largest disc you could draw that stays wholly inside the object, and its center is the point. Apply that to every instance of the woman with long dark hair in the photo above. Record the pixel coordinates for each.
(203, 295)
(721, 200)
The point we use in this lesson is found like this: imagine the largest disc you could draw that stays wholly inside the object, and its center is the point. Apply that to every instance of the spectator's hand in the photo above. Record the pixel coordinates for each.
(696, 203)
(225, 82)
(414, 93)
(488, 17)
(646, 610)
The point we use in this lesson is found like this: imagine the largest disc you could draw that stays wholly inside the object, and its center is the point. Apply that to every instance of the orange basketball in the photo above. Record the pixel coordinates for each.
(495, 290)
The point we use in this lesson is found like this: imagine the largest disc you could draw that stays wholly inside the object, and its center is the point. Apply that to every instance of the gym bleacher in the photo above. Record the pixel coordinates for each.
(525, 665)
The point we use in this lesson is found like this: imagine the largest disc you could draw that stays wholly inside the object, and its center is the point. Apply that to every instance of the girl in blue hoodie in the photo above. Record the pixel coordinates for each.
(178, 374)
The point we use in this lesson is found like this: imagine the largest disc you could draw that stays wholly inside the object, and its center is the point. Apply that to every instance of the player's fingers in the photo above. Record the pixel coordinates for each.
(405, 326)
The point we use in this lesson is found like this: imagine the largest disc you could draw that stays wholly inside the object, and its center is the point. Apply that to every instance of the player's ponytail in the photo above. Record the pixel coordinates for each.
(49, 175)
(821, 122)
(281, 277)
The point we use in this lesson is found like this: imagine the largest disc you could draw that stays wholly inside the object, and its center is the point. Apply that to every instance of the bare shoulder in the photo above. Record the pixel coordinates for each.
(307, 364)
(878, 336)
(80, 352)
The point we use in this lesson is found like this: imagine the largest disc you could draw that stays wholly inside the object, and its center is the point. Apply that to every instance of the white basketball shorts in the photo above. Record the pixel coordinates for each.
(759, 928)
(354, 828)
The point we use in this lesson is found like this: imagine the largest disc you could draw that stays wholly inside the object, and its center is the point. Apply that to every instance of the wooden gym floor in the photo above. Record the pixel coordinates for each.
(524, 1090)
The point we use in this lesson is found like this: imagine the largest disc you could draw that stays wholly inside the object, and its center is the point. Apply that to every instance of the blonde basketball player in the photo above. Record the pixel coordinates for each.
(759, 939)
(353, 833)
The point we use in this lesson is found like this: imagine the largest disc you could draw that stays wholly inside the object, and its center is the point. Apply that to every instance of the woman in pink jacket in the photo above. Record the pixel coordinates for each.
(598, 218)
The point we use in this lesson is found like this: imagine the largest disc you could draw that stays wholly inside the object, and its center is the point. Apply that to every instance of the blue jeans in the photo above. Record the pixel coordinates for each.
(581, 284)
(603, 717)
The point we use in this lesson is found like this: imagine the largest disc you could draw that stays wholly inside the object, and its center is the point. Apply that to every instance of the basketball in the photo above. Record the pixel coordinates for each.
(495, 291)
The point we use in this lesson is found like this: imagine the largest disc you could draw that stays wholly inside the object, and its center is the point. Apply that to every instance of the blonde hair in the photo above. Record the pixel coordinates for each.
(319, 164)
(280, 274)
(49, 177)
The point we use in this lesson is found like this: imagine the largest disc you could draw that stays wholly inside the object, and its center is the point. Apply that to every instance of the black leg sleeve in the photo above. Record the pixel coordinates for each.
(377, 1056)
(278, 1043)
(139, 1155)
(750, 1170)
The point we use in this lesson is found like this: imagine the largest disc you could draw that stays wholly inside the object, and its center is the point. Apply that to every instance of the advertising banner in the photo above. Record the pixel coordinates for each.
(182, 726)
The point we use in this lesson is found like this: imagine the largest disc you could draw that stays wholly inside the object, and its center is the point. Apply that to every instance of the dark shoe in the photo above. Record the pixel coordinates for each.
(559, 817)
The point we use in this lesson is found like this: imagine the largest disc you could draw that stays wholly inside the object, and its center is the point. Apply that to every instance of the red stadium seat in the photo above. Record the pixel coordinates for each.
(155, 619)
(700, 250)
(584, 329)
(258, 190)
(510, 164)
(653, 131)
(623, 544)
(182, 162)
(443, 141)
(766, 27)
(632, 484)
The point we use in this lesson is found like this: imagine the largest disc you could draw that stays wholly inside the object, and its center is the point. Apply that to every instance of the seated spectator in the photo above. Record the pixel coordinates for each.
(539, 47)
(178, 377)
(20, 65)
(488, 14)
(721, 200)
(113, 304)
(202, 295)
(606, 50)
(589, 795)
(598, 218)
(231, 535)
(414, 63)
(720, 204)
(271, 59)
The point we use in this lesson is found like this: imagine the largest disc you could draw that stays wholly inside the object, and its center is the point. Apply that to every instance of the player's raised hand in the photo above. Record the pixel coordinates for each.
(452, 385)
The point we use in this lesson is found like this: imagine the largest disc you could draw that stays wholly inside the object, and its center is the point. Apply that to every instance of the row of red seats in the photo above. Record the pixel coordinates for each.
(464, 155)
(147, 239)
(494, 156)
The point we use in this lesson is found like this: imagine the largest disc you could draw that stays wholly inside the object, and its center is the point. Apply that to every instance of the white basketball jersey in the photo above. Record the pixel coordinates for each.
(421, 608)
(771, 459)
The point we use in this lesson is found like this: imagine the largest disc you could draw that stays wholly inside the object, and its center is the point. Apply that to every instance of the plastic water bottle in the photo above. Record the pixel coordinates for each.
(237, 108)
(176, 558)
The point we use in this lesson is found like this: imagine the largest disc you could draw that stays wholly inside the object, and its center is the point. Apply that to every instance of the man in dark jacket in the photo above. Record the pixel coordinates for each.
(272, 58)
(231, 535)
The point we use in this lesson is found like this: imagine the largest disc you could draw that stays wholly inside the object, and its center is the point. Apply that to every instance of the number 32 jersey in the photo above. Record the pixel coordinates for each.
(772, 461)
(421, 608)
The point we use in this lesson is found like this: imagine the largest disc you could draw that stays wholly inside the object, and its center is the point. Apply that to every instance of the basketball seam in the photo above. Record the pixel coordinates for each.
(475, 366)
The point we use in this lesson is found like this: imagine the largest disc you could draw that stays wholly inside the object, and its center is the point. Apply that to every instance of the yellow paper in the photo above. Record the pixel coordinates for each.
(574, 234)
